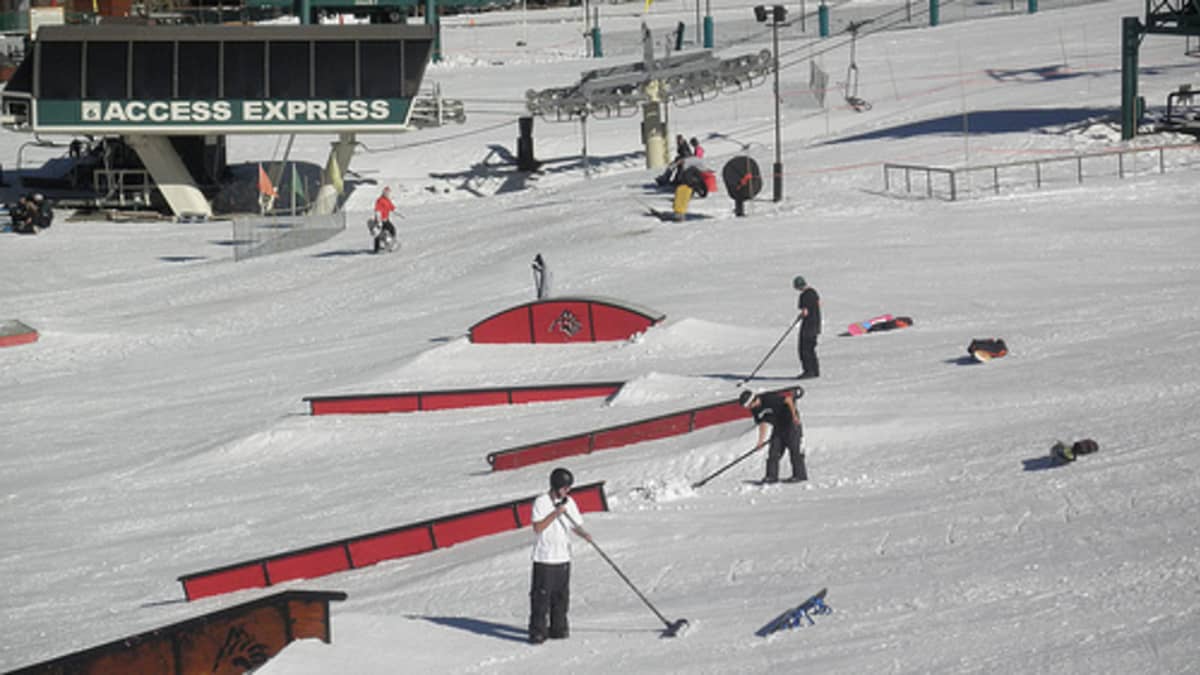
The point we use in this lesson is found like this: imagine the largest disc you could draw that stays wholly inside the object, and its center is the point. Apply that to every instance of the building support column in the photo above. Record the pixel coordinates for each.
(171, 176)
(332, 186)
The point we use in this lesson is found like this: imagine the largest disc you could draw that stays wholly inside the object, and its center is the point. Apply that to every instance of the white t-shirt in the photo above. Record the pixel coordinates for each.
(554, 543)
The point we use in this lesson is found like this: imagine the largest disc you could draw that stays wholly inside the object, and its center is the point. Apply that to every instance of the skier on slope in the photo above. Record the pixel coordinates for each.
(554, 515)
(777, 413)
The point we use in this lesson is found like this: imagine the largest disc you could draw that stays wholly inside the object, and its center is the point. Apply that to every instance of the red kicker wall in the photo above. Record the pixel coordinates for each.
(563, 320)
(368, 549)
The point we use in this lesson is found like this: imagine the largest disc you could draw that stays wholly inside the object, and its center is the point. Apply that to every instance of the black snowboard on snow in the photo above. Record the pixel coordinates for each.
(796, 616)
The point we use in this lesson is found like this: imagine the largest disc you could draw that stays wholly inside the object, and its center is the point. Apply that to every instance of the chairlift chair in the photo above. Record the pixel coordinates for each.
(851, 85)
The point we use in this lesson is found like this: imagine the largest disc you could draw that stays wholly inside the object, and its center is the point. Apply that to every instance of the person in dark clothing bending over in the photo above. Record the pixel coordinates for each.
(554, 515)
(777, 413)
(810, 327)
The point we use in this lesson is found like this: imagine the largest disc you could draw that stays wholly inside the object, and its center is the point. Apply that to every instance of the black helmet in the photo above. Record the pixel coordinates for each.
(561, 478)
(745, 398)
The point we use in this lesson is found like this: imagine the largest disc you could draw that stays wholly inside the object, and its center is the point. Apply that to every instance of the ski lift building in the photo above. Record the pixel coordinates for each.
(154, 85)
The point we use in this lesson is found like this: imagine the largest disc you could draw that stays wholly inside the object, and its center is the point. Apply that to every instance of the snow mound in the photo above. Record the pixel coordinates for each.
(693, 336)
(662, 388)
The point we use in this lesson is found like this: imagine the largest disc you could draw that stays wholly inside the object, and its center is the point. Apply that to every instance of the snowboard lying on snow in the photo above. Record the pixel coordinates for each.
(880, 323)
(796, 616)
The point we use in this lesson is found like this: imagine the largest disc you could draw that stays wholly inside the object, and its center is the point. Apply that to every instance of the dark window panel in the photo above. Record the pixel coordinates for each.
(61, 70)
(198, 70)
(335, 70)
(415, 54)
(153, 70)
(245, 70)
(382, 69)
(107, 70)
(290, 70)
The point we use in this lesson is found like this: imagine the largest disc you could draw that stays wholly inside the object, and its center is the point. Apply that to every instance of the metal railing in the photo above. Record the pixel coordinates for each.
(122, 187)
(255, 236)
(953, 183)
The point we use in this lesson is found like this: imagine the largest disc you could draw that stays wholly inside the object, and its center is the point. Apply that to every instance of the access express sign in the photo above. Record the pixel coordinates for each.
(223, 115)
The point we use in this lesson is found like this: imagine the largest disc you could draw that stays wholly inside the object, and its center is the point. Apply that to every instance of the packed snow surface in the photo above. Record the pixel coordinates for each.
(158, 428)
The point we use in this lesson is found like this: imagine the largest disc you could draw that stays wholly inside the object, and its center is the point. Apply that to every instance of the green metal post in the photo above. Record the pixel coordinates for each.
(304, 8)
(933, 12)
(597, 51)
(1131, 33)
(1033, 6)
(708, 32)
(823, 20)
(431, 19)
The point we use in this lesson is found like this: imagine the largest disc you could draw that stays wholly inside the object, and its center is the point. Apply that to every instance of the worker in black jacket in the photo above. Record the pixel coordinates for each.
(777, 413)
(809, 305)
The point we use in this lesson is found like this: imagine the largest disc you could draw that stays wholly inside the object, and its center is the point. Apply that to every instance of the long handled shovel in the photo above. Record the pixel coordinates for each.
(673, 628)
(718, 472)
(777, 343)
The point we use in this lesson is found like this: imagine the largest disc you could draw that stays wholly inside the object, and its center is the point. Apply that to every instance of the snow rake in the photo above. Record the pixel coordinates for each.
(718, 472)
(777, 343)
(674, 628)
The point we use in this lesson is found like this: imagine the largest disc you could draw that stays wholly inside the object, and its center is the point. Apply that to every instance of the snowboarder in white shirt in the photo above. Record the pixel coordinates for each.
(555, 514)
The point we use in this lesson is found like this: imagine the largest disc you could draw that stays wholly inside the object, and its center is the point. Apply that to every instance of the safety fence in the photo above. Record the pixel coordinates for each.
(236, 639)
(416, 401)
(255, 236)
(949, 183)
(663, 426)
(369, 549)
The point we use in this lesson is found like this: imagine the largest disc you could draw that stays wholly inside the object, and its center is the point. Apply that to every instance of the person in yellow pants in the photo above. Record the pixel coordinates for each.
(683, 197)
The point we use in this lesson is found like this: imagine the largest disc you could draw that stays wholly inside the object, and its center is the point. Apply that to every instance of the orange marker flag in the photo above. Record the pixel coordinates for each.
(264, 183)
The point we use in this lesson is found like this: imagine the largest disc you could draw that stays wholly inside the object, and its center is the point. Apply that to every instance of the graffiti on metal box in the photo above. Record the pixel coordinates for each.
(567, 323)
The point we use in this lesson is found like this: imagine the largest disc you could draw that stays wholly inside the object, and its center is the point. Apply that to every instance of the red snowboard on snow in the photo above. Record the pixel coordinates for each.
(880, 323)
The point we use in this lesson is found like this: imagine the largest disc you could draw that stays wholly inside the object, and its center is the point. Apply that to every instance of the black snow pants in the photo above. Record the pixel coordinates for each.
(789, 440)
(807, 348)
(549, 595)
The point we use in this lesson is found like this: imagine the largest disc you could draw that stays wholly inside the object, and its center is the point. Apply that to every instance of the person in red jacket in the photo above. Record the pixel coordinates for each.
(384, 231)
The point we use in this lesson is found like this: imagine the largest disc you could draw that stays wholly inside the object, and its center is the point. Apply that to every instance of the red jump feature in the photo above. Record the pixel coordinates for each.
(231, 640)
(562, 320)
(671, 424)
(13, 333)
(413, 401)
(368, 549)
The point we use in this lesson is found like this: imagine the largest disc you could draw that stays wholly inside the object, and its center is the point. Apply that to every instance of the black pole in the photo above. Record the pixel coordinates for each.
(777, 343)
(672, 629)
(778, 157)
(718, 472)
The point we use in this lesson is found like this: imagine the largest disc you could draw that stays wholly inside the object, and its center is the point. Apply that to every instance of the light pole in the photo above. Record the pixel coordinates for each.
(776, 14)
